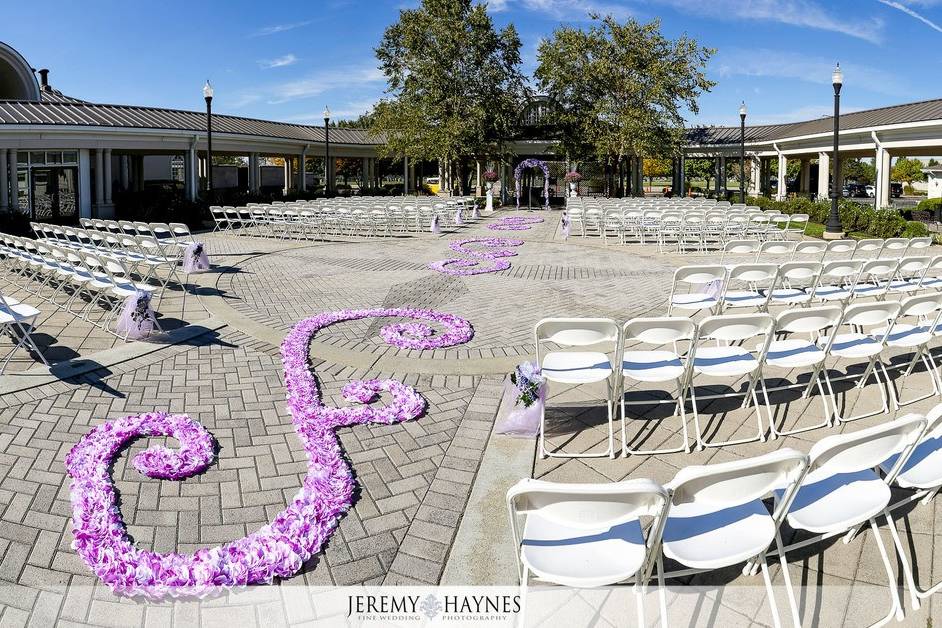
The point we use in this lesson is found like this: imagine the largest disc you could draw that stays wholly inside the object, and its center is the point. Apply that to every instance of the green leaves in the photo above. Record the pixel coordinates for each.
(621, 89)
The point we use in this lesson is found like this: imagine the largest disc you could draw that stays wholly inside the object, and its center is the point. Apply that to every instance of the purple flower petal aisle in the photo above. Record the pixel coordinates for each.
(280, 548)
(468, 267)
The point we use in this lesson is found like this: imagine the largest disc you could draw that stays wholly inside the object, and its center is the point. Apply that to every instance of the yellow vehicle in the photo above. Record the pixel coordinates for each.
(433, 184)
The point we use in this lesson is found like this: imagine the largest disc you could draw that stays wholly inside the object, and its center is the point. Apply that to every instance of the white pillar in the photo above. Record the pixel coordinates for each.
(287, 174)
(805, 180)
(824, 175)
(782, 173)
(878, 182)
(884, 199)
(85, 184)
(4, 180)
(108, 180)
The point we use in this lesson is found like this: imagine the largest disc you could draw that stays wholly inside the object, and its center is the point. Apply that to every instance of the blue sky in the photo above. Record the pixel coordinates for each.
(287, 60)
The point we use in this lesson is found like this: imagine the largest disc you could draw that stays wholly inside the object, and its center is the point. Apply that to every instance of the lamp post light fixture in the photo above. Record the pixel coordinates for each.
(208, 95)
(742, 153)
(327, 167)
(834, 230)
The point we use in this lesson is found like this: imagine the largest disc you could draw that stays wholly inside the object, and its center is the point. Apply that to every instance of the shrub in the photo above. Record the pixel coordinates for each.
(915, 229)
(886, 223)
(855, 217)
(929, 205)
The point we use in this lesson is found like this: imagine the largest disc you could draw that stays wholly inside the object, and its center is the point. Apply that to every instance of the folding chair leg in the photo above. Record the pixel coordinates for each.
(770, 593)
(930, 370)
(896, 609)
(680, 412)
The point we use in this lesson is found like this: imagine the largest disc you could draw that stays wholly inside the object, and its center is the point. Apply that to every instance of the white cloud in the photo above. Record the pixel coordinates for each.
(279, 28)
(278, 62)
(575, 9)
(346, 111)
(496, 6)
(804, 13)
(901, 7)
(310, 86)
(795, 66)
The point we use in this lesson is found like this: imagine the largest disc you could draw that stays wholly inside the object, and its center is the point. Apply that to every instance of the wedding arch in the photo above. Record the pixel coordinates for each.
(518, 174)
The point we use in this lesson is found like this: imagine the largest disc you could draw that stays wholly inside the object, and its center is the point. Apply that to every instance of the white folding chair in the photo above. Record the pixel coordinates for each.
(810, 250)
(795, 284)
(791, 352)
(588, 535)
(837, 281)
(19, 320)
(739, 247)
(729, 358)
(874, 279)
(663, 364)
(870, 324)
(841, 490)
(748, 286)
(912, 330)
(717, 517)
(579, 367)
(868, 249)
(708, 282)
(840, 249)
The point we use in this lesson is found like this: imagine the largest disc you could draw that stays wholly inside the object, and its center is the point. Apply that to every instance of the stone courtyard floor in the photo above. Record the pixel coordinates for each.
(430, 506)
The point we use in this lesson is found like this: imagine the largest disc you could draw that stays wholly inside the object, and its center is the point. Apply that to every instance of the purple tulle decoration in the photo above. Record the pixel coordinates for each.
(195, 259)
(565, 223)
(278, 549)
(522, 403)
(137, 317)
(458, 220)
(435, 228)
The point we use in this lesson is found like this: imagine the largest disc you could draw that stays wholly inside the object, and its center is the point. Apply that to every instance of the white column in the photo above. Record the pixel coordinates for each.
(805, 180)
(99, 179)
(878, 182)
(108, 180)
(782, 173)
(884, 198)
(824, 175)
(4, 180)
(85, 184)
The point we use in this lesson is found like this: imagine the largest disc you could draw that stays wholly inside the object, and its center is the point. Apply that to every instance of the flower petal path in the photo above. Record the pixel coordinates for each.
(280, 548)
(468, 267)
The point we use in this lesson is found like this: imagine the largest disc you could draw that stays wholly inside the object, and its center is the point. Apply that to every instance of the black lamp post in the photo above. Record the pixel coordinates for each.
(208, 95)
(834, 228)
(327, 167)
(742, 153)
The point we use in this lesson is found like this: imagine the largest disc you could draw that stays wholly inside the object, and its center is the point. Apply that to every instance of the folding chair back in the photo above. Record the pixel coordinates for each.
(864, 449)
(867, 249)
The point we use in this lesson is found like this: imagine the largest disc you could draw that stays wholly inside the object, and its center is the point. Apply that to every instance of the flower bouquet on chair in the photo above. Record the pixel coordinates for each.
(195, 259)
(522, 405)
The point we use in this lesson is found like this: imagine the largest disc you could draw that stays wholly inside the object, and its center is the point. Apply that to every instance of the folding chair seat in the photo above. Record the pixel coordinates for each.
(588, 535)
(660, 365)
(707, 280)
(727, 357)
(796, 283)
(579, 367)
(748, 286)
(841, 490)
(909, 275)
(717, 517)
(913, 330)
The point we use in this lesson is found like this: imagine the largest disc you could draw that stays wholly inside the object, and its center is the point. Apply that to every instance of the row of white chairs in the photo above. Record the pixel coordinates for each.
(759, 286)
(46, 269)
(318, 222)
(738, 348)
(717, 516)
(175, 233)
(821, 250)
(146, 256)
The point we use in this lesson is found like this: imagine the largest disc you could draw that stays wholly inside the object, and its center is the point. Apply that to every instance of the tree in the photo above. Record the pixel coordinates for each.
(656, 167)
(621, 89)
(908, 170)
(453, 83)
(699, 169)
(862, 172)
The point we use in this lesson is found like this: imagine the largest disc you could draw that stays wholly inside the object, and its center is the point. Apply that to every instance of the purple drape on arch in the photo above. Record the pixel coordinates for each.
(532, 163)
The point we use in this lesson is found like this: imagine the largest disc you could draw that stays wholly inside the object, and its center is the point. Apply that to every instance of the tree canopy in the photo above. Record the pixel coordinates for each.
(454, 87)
(908, 170)
(621, 88)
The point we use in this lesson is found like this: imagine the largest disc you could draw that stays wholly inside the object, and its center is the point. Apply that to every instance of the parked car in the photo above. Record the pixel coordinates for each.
(855, 190)
(896, 190)
(871, 191)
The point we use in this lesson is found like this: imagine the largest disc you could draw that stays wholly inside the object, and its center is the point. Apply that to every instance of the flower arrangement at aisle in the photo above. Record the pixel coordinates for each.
(573, 177)
(524, 397)
(279, 548)
(490, 176)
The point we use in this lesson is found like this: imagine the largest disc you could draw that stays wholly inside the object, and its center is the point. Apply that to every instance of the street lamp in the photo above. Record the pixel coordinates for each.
(742, 153)
(327, 152)
(208, 95)
(834, 229)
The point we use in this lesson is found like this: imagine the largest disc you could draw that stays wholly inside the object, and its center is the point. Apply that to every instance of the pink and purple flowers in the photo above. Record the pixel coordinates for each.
(514, 223)
(281, 547)
(468, 267)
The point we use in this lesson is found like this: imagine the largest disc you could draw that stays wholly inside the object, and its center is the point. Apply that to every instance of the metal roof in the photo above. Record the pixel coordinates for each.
(896, 114)
(78, 113)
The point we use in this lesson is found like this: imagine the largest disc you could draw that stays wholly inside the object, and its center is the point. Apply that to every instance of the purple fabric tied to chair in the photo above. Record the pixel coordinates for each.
(435, 228)
(521, 408)
(566, 223)
(458, 220)
(137, 318)
(195, 259)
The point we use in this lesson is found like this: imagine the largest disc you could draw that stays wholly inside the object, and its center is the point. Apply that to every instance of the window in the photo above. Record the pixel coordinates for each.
(37, 158)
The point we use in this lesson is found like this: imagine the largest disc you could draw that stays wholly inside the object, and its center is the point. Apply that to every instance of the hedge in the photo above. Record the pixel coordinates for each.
(884, 223)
